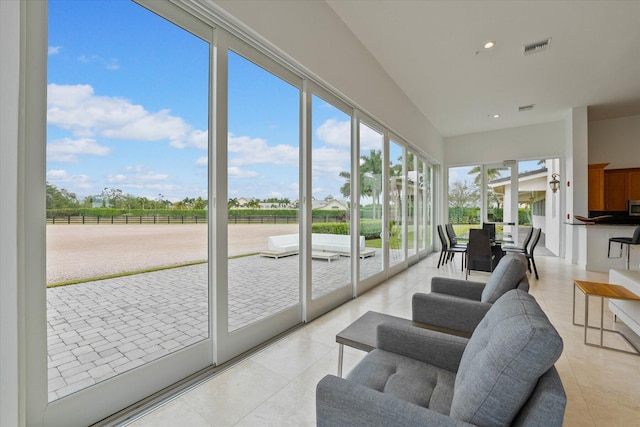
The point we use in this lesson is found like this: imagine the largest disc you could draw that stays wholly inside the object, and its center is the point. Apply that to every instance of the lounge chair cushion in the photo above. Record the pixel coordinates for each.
(505, 277)
(406, 379)
(512, 347)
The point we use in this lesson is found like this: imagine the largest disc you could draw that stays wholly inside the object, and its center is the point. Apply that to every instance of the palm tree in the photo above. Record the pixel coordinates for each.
(492, 174)
(371, 177)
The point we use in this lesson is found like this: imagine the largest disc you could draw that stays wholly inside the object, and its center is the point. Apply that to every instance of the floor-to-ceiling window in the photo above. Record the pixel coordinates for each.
(191, 165)
(330, 195)
(127, 193)
(370, 200)
(396, 205)
(263, 193)
(464, 197)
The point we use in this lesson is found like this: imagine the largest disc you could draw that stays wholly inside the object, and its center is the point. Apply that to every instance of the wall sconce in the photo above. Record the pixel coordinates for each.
(554, 183)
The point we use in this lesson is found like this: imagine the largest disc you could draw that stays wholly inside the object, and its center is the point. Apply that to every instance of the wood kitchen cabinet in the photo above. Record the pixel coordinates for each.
(618, 185)
(615, 190)
(633, 185)
(596, 187)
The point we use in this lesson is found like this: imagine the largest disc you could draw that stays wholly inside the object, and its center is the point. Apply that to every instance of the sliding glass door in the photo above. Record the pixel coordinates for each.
(127, 194)
(259, 243)
(330, 264)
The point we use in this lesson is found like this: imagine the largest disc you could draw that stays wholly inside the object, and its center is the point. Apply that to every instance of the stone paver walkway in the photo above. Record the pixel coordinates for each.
(99, 329)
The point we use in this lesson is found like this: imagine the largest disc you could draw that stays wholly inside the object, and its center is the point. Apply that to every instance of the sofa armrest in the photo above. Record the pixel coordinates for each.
(340, 402)
(457, 287)
(432, 347)
(448, 311)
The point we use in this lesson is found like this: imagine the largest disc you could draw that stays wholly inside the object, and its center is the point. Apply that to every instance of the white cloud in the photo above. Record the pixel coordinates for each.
(109, 64)
(137, 176)
(236, 172)
(60, 177)
(77, 109)
(250, 151)
(202, 161)
(335, 133)
(54, 50)
(330, 161)
(370, 139)
(68, 150)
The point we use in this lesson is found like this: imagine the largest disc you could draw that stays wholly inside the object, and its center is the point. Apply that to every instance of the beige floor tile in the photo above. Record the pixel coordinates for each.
(292, 355)
(329, 365)
(577, 412)
(293, 406)
(230, 396)
(176, 412)
(610, 410)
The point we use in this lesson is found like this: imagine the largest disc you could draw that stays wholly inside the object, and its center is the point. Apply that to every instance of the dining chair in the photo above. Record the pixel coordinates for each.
(491, 229)
(453, 239)
(447, 251)
(521, 249)
(530, 253)
(480, 257)
(635, 240)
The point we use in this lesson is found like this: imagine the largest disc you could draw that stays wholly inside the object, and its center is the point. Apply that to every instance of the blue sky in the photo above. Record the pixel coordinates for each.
(128, 109)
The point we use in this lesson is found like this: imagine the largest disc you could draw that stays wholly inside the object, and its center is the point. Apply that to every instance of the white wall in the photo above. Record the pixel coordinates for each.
(615, 141)
(311, 34)
(522, 143)
(9, 103)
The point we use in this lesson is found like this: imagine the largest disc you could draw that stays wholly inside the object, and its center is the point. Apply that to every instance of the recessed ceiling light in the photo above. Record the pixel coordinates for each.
(489, 44)
(494, 116)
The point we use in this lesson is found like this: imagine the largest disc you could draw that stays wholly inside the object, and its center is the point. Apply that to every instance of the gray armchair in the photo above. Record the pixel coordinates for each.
(503, 375)
(459, 305)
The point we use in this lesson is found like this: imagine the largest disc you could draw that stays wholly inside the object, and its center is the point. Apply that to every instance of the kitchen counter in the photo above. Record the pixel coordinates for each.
(594, 242)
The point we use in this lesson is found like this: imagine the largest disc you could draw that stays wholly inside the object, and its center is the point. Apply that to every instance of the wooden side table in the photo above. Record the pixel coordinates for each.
(602, 290)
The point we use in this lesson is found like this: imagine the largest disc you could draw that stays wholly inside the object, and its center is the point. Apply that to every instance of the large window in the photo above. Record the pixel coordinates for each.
(396, 196)
(127, 191)
(200, 196)
(371, 188)
(330, 197)
(263, 191)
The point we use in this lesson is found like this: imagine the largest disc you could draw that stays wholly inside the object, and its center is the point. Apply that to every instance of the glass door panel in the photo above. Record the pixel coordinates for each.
(464, 198)
(499, 206)
(396, 194)
(371, 185)
(414, 211)
(421, 216)
(127, 192)
(534, 196)
(263, 158)
(331, 195)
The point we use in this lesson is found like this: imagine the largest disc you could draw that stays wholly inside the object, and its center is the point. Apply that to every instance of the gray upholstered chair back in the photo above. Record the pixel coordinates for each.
(510, 350)
(507, 275)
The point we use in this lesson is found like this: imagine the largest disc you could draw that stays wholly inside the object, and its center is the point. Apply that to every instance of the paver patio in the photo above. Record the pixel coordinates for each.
(99, 329)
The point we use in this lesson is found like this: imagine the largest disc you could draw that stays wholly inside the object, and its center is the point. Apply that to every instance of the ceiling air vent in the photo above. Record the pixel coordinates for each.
(526, 107)
(537, 46)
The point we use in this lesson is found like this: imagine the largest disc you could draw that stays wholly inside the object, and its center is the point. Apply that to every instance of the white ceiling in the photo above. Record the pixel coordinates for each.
(434, 51)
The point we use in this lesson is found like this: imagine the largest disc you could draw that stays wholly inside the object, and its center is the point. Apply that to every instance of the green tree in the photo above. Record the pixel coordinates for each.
(492, 173)
(60, 198)
(200, 203)
(463, 195)
(233, 203)
(253, 204)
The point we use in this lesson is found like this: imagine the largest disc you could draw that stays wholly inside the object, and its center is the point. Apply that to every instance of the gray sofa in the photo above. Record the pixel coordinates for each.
(460, 305)
(503, 375)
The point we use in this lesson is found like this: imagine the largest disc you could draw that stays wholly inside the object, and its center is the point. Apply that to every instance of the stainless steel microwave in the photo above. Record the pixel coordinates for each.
(634, 207)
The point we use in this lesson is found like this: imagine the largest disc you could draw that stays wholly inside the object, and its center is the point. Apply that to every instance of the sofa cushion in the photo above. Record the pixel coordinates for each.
(506, 276)
(407, 379)
(512, 347)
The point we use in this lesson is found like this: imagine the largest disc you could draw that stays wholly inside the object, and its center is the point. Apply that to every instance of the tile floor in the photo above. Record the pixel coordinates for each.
(276, 387)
